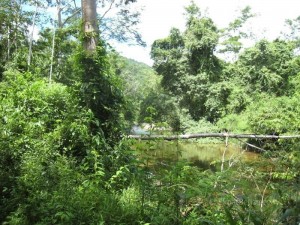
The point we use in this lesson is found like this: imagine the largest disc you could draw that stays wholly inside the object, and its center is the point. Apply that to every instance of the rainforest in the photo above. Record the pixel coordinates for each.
(74, 114)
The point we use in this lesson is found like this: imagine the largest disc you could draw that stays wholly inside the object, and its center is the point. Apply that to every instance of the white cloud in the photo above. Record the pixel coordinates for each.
(159, 16)
(137, 53)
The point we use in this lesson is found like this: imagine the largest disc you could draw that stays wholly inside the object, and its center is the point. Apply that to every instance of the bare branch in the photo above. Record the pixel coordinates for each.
(253, 146)
(264, 191)
(109, 8)
(217, 135)
(70, 17)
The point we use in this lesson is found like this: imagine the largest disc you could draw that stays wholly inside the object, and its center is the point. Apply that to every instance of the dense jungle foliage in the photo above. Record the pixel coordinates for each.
(65, 114)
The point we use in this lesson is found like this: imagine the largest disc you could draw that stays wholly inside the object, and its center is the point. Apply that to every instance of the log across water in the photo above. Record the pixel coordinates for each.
(205, 135)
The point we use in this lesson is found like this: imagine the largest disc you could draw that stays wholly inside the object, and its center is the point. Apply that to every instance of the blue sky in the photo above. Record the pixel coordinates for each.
(159, 16)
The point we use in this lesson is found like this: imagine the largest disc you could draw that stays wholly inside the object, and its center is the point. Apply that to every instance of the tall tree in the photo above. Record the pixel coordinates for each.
(189, 66)
(90, 25)
(233, 36)
(15, 22)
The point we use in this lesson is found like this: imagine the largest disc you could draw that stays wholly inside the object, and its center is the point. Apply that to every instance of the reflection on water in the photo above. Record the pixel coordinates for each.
(192, 151)
(211, 152)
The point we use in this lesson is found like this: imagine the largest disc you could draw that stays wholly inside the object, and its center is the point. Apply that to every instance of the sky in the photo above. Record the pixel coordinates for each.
(159, 16)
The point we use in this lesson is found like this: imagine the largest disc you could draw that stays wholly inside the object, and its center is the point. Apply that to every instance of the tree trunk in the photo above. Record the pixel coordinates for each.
(59, 11)
(205, 135)
(52, 53)
(31, 36)
(90, 25)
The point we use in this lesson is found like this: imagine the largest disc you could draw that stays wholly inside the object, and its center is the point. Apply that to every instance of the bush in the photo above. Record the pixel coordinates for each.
(53, 169)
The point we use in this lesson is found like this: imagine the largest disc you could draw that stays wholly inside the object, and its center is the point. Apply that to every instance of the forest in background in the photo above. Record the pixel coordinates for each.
(65, 115)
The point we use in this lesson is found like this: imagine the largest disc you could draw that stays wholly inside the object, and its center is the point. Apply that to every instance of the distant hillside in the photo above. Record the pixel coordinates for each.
(138, 78)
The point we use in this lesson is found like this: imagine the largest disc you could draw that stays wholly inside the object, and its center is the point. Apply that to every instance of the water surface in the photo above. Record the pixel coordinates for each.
(192, 151)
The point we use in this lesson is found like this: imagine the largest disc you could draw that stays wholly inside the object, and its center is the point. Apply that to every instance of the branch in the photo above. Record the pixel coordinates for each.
(253, 146)
(224, 152)
(74, 14)
(264, 192)
(205, 135)
(109, 8)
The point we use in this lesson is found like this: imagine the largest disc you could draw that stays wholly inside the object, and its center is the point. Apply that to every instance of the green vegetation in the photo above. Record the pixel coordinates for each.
(67, 101)
(139, 83)
(256, 93)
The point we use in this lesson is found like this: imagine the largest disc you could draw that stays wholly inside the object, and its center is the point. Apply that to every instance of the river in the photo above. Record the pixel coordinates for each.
(200, 154)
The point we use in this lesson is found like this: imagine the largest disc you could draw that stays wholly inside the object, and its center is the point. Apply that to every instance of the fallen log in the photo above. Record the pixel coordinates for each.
(216, 135)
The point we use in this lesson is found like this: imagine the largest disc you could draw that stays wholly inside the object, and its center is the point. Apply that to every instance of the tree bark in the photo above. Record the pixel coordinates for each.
(90, 25)
(59, 11)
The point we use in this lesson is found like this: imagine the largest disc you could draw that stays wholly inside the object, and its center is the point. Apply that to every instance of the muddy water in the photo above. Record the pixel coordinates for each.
(192, 151)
